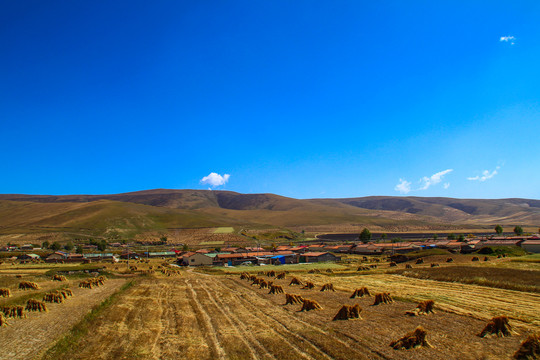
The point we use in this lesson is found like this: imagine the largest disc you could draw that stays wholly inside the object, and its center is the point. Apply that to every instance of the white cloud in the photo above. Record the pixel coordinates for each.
(486, 175)
(403, 187)
(508, 39)
(446, 185)
(433, 179)
(215, 179)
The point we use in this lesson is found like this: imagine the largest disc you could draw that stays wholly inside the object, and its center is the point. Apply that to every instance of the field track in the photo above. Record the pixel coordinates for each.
(26, 338)
(198, 316)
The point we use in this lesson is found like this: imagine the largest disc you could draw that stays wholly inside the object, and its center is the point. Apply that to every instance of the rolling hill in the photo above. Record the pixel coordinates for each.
(163, 209)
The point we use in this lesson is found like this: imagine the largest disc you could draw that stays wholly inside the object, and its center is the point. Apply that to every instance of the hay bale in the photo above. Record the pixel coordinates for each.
(314, 271)
(434, 265)
(14, 311)
(449, 260)
(423, 308)
(412, 340)
(263, 285)
(420, 261)
(271, 273)
(529, 349)
(309, 285)
(257, 281)
(383, 298)
(408, 266)
(244, 276)
(281, 275)
(360, 292)
(328, 287)
(348, 312)
(330, 271)
(373, 266)
(252, 277)
(363, 268)
(35, 305)
(295, 281)
(475, 258)
(498, 326)
(5, 293)
(293, 299)
(486, 258)
(24, 285)
(276, 289)
(393, 264)
(3, 321)
(57, 277)
(308, 305)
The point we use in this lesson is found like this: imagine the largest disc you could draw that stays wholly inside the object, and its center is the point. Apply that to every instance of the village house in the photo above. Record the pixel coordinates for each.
(311, 257)
(532, 246)
(196, 259)
(57, 256)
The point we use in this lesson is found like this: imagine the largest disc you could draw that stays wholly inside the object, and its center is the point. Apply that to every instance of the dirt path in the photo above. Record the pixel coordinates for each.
(26, 338)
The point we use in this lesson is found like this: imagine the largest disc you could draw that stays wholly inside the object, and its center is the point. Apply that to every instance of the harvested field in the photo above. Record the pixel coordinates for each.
(28, 337)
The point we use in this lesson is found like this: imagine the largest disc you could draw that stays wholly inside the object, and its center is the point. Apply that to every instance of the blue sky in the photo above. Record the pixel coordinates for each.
(299, 98)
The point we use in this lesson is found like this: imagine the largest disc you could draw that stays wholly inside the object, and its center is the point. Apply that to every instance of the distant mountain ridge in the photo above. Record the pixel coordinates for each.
(164, 208)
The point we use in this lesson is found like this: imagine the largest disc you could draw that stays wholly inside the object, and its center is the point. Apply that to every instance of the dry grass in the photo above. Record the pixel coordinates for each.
(3, 321)
(498, 326)
(424, 308)
(295, 281)
(328, 287)
(348, 312)
(276, 289)
(5, 293)
(25, 285)
(35, 305)
(309, 285)
(360, 292)
(383, 298)
(308, 305)
(412, 340)
(529, 349)
(293, 299)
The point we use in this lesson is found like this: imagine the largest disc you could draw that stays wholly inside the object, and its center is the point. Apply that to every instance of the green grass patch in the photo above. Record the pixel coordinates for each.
(69, 342)
(292, 268)
(428, 252)
(224, 230)
(534, 258)
(212, 243)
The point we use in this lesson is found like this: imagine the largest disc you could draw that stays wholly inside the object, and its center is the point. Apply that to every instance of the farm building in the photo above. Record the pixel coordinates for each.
(56, 257)
(27, 247)
(310, 257)
(159, 254)
(366, 249)
(531, 246)
(196, 259)
(27, 257)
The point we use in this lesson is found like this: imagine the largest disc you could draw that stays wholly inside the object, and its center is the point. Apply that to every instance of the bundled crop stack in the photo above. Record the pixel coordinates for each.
(3, 321)
(54, 297)
(13, 311)
(257, 281)
(498, 326)
(363, 268)
(423, 308)
(383, 298)
(295, 281)
(314, 271)
(393, 264)
(276, 289)
(309, 285)
(293, 299)
(24, 285)
(244, 276)
(328, 287)
(373, 266)
(414, 339)
(475, 258)
(486, 258)
(252, 277)
(308, 305)
(348, 312)
(408, 266)
(57, 277)
(360, 292)
(263, 284)
(330, 271)
(92, 282)
(529, 349)
(35, 305)
(271, 273)
(5, 293)
(420, 261)
(434, 265)
(449, 260)
(281, 275)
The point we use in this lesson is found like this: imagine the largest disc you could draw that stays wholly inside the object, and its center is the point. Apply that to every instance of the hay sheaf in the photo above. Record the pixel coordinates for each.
(434, 265)
(263, 285)
(271, 273)
(412, 340)
(360, 292)
(244, 276)
(314, 271)
(348, 312)
(529, 349)
(449, 260)
(309, 305)
(281, 275)
(24, 285)
(295, 281)
(420, 261)
(5, 293)
(393, 264)
(363, 268)
(276, 289)
(14, 311)
(475, 258)
(35, 305)
(328, 287)
(57, 277)
(257, 281)
(3, 321)
(408, 266)
(92, 282)
(293, 299)
(498, 326)
(383, 298)
(423, 308)
(309, 285)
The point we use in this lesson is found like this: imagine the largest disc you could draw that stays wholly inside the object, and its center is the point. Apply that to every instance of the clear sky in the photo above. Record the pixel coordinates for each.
(299, 98)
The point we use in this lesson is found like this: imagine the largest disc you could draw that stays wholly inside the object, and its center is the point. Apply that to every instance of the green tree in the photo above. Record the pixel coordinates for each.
(451, 236)
(102, 245)
(185, 247)
(518, 230)
(365, 236)
(435, 236)
(68, 246)
(498, 229)
(56, 246)
(461, 238)
(45, 245)
(163, 240)
(383, 236)
(79, 250)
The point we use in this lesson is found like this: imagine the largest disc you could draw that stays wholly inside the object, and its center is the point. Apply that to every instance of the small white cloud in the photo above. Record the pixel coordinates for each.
(486, 175)
(403, 187)
(433, 179)
(214, 179)
(446, 185)
(508, 39)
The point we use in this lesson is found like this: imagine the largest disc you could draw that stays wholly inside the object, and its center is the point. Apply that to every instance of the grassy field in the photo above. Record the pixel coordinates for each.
(209, 313)
(224, 230)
